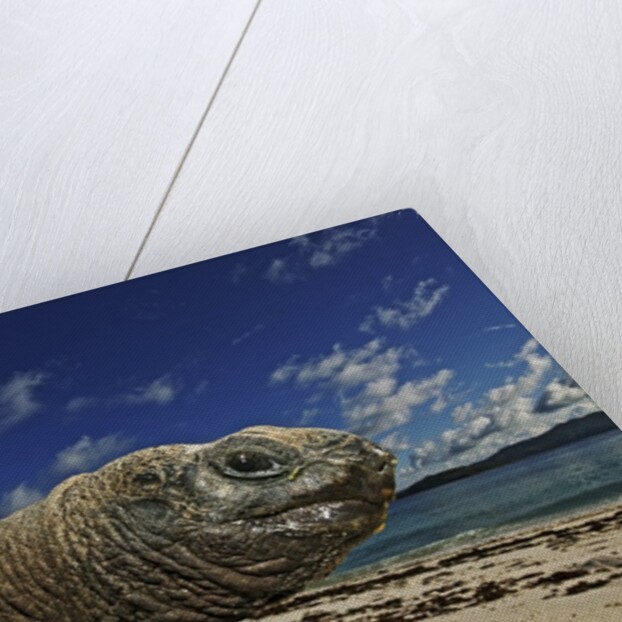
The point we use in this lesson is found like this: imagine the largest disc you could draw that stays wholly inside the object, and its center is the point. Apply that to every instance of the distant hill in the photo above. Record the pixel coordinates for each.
(561, 434)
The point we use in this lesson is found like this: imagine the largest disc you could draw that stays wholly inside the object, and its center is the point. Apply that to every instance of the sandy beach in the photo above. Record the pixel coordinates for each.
(567, 570)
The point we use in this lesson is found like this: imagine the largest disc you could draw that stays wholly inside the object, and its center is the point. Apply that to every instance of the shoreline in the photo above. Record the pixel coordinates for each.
(464, 540)
(550, 570)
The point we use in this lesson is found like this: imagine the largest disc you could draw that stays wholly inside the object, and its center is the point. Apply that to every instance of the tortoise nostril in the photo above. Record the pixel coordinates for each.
(386, 462)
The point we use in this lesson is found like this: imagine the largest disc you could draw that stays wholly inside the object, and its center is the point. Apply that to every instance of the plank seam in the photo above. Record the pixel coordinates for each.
(184, 157)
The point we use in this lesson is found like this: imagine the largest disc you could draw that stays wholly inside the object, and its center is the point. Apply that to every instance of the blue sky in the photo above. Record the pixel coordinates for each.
(375, 327)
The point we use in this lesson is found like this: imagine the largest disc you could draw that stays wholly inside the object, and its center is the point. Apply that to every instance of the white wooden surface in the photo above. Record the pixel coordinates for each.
(98, 102)
(499, 120)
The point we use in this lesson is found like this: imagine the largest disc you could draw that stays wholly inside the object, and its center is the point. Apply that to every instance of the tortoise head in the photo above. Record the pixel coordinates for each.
(253, 516)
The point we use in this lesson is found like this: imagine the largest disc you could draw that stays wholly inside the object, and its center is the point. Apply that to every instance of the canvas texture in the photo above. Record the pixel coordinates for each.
(477, 480)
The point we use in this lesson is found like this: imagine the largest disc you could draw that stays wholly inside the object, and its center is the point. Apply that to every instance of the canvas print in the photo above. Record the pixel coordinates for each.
(344, 426)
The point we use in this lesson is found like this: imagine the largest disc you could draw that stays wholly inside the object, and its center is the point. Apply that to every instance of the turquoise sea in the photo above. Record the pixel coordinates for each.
(559, 482)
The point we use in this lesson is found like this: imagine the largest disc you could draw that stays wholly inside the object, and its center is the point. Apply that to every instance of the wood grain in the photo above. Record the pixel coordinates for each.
(98, 102)
(499, 121)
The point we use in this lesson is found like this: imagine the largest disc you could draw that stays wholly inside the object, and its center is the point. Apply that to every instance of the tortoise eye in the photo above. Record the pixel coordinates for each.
(149, 478)
(245, 464)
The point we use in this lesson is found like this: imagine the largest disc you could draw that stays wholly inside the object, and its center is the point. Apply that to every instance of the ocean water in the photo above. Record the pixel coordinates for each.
(560, 482)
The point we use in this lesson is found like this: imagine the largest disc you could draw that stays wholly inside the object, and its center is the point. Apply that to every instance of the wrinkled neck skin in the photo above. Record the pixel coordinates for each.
(33, 579)
(62, 562)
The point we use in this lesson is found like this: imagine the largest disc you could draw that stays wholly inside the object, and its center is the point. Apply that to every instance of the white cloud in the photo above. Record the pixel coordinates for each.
(285, 371)
(368, 325)
(18, 498)
(500, 364)
(530, 346)
(88, 454)
(561, 393)
(317, 251)
(404, 471)
(479, 426)
(249, 333)
(370, 367)
(308, 415)
(343, 367)
(371, 414)
(504, 415)
(238, 272)
(406, 313)
(365, 382)
(497, 327)
(421, 455)
(161, 391)
(463, 412)
(201, 387)
(17, 397)
(395, 442)
(381, 387)
(281, 271)
(332, 247)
